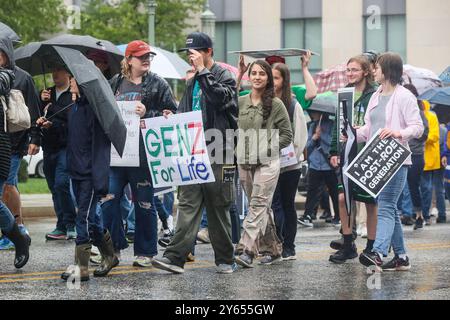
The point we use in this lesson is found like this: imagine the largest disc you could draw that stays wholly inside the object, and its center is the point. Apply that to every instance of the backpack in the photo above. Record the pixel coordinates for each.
(17, 116)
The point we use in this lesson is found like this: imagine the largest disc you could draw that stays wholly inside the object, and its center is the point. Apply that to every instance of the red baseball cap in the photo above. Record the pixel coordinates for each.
(275, 59)
(138, 48)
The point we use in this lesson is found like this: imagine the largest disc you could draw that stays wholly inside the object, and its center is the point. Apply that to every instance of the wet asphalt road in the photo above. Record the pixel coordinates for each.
(311, 276)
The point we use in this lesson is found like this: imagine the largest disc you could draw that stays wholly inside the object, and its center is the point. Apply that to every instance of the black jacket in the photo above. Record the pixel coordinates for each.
(88, 148)
(156, 96)
(55, 138)
(24, 82)
(218, 100)
(6, 81)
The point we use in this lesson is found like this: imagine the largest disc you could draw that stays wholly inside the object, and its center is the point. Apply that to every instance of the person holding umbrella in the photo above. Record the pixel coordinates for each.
(153, 98)
(8, 225)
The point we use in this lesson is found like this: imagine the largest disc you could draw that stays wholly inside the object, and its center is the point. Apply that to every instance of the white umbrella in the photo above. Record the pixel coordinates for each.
(166, 64)
(422, 79)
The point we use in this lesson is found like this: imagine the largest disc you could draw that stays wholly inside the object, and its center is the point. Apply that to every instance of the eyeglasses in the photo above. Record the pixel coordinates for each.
(353, 70)
(145, 57)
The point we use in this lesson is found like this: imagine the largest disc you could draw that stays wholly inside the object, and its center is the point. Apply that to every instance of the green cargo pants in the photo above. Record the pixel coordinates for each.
(217, 197)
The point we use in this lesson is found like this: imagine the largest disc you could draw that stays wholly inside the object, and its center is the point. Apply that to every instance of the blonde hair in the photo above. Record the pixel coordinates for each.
(125, 68)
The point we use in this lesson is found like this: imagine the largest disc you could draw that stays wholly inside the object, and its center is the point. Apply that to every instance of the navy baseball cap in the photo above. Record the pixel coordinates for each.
(197, 40)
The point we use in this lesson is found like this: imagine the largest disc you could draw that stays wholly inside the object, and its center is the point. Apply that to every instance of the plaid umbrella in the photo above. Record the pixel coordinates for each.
(331, 79)
(232, 69)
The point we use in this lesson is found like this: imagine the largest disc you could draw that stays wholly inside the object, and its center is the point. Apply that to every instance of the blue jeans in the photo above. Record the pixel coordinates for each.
(58, 181)
(88, 224)
(414, 177)
(433, 179)
(405, 203)
(389, 226)
(13, 177)
(204, 222)
(165, 207)
(6, 218)
(145, 239)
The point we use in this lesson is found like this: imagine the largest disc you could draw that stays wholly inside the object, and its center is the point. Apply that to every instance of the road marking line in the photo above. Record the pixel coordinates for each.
(121, 270)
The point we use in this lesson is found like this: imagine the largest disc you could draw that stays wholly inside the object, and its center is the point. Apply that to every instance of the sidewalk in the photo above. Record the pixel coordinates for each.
(41, 205)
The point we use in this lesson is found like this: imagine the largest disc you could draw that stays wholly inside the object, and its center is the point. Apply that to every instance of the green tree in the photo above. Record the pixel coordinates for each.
(32, 19)
(129, 20)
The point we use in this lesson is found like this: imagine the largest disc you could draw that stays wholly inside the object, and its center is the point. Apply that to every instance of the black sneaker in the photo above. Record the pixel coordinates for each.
(441, 220)
(305, 221)
(314, 216)
(418, 224)
(397, 264)
(130, 237)
(287, 255)
(165, 239)
(370, 259)
(407, 220)
(325, 215)
(337, 244)
(343, 255)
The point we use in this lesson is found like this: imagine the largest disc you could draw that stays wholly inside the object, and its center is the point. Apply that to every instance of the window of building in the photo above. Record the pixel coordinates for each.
(228, 38)
(303, 34)
(385, 26)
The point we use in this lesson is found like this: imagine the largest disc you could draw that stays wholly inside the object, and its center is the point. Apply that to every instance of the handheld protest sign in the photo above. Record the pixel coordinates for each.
(262, 54)
(176, 150)
(377, 164)
(348, 95)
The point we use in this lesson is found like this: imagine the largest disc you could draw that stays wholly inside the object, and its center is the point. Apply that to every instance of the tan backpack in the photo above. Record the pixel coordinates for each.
(17, 116)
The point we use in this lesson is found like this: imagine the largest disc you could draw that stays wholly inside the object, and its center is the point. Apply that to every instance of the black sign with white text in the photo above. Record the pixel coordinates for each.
(377, 163)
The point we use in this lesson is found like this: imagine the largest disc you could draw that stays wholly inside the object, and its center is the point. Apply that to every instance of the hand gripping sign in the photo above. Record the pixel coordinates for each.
(176, 150)
(377, 164)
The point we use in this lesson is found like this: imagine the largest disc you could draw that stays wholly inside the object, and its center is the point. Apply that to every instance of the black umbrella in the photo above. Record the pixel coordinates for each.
(38, 58)
(99, 94)
(6, 31)
(87, 44)
(443, 113)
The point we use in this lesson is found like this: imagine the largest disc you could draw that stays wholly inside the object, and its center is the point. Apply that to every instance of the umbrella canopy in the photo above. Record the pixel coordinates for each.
(331, 79)
(232, 69)
(166, 64)
(325, 102)
(422, 79)
(87, 44)
(36, 58)
(437, 96)
(99, 94)
(6, 31)
(442, 112)
(445, 77)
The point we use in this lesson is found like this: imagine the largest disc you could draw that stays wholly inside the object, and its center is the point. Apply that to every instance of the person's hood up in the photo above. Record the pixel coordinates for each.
(426, 105)
(7, 47)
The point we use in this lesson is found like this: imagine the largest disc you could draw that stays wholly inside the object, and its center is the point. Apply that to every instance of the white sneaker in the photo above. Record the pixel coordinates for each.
(94, 251)
(364, 232)
(143, 262)
(203, 236)
(434, 212)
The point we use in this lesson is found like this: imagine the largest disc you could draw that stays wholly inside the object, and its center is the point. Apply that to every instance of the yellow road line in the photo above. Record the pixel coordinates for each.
(121, 270)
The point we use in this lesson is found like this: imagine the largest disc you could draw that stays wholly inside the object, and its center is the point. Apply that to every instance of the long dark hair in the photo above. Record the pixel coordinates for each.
(286, 93)
(269, 92)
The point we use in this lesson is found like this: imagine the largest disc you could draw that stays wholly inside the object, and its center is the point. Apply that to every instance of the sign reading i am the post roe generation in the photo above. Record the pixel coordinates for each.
(377, 164)
(176, 150)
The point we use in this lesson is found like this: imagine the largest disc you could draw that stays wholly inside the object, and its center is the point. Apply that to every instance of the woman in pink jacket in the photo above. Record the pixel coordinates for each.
(393, 109)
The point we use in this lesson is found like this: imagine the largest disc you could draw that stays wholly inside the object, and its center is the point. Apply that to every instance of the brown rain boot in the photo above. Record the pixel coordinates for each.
(82, 254)
(110, 260)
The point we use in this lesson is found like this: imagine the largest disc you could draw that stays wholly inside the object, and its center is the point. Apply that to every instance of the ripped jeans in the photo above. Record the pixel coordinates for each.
(146, 230)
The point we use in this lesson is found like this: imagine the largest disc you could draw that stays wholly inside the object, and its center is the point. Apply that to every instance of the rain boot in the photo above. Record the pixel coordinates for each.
(22, 246)
(110, 260)
(82, 255)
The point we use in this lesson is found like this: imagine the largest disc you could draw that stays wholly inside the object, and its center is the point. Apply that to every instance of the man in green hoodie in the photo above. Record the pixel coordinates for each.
(360, 76)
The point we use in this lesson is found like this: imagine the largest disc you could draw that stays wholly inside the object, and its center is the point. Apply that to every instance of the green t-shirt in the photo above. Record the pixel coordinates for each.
(299, 92)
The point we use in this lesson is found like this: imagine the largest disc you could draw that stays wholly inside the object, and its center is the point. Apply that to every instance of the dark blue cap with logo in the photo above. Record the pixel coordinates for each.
(197, 40)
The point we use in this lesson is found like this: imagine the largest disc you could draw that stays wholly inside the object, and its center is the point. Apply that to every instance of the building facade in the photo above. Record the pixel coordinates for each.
(335, 29)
